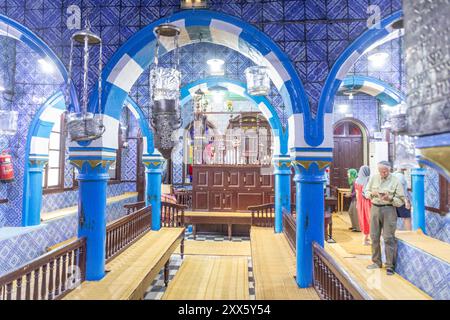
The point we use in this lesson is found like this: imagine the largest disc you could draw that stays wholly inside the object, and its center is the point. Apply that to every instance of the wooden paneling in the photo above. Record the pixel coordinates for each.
(232, 188)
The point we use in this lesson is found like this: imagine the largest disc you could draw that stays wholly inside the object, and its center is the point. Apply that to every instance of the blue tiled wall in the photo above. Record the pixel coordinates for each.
(437, 226)
(298, 27)
(425, 271)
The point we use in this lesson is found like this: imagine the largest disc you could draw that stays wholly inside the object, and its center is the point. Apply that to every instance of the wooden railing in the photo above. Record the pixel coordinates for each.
(184, 198)
(332, 282)
(133, 207)
(49, 277)
(172, 215)
(263, 215)
(123, 232)
(289, 229)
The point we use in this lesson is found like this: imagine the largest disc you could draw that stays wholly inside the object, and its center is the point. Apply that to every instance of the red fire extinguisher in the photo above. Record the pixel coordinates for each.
(6, 167)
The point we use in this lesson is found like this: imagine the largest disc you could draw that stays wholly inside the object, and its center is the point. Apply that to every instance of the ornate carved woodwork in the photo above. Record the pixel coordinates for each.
(232, 188)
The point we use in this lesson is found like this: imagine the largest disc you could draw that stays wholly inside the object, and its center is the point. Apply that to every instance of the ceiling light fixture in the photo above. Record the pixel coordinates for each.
(216, 67)
(378, 59)
(46, 66)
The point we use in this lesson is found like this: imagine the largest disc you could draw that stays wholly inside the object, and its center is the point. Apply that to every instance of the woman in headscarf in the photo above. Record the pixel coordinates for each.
(352, 174)
(363, 204)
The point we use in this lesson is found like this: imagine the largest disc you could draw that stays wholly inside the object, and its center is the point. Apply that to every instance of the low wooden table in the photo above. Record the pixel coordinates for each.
(341, 193)
(229, 218)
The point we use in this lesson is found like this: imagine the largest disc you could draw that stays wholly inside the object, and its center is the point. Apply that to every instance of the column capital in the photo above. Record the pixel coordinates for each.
(311, 170)
(153, 162)
(37, 163)
(282, 164)
(89, 169)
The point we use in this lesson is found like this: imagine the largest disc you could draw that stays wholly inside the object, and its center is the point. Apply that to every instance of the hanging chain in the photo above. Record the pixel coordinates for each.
(69, 76)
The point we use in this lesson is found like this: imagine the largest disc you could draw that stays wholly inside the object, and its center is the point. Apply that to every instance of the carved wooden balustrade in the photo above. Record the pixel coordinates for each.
(123, 232)
(331, 281)
(48, 277)
(184, 197)
(263, 215)
(133, 207)
(172, 215)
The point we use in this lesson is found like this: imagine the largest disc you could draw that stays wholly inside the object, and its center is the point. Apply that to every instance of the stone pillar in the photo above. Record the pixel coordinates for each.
(310, 202)
(92, 179)
(153, 164)
(282, 172)
(32, 196)
(418, 199)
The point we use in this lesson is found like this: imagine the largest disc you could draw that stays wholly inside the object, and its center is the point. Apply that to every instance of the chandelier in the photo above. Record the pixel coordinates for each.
(85, 126)
(165, 92)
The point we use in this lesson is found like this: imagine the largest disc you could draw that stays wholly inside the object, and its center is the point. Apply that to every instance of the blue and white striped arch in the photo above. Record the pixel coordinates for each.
(239, 88)
(12, 29)
(373, 87)
(318, 132)
(136, 55)
(37, 150)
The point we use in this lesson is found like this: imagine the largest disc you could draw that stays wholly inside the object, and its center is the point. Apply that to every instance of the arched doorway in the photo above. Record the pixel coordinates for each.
(350, 150)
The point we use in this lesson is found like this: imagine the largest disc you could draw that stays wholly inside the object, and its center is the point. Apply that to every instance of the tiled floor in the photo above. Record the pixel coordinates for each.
(157, 288)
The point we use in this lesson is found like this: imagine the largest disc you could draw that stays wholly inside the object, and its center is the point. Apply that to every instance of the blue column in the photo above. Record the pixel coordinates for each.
(418, 199)
(310, 205)
(153, 164)
(32, 202)
(92, 178)
(282, 172)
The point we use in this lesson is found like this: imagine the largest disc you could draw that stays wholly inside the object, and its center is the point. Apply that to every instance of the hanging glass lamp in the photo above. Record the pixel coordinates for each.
(165, 84)
(84, 125)
(258, 81)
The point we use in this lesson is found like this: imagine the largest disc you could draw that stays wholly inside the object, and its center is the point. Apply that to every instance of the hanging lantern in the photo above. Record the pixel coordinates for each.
(85, 126)
(165, 91)
(258, 81)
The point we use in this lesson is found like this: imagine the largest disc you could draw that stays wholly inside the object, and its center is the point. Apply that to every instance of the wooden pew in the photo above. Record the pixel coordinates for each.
(133, 264)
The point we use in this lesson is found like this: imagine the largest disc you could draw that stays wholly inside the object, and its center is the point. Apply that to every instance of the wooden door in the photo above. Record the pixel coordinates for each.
(348, 152)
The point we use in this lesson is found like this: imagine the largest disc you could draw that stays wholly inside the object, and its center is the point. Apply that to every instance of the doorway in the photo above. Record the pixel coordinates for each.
(350, 142)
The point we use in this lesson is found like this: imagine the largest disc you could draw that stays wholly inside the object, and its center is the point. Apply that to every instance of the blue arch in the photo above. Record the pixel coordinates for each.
(128, 63)
(374, 87)
(240, 88)
(340, 70)
(36, 154)
(21, 33)
(147, 132)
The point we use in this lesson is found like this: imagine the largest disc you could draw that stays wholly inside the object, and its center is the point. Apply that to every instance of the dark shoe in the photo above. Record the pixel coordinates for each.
(354, 230)
(374, 266)
(390, 271)
(351, 228)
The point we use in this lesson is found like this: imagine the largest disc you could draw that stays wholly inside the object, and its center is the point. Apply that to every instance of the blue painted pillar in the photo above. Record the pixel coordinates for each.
(282, 172)
(310, 205)
(418, 199)
(32, 201)
(153, 164)
(92, 178)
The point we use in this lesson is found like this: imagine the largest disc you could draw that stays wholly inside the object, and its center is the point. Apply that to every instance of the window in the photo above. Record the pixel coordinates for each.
(53, 175)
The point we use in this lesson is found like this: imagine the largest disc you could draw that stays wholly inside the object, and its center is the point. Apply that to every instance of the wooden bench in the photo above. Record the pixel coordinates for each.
(274, 267)
(135, 255)
(132, 271)
(215, 218)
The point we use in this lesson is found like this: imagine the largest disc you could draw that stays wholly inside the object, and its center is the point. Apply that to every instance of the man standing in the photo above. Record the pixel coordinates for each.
(386, 193)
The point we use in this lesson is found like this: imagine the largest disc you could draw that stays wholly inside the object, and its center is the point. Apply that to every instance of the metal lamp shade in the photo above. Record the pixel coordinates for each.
(165, 83)
(165, 120)
(258, 81)
(8, 122)
(84, 127)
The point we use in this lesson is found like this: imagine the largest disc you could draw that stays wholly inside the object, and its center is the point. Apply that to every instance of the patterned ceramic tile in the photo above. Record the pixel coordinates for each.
(425, 271)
